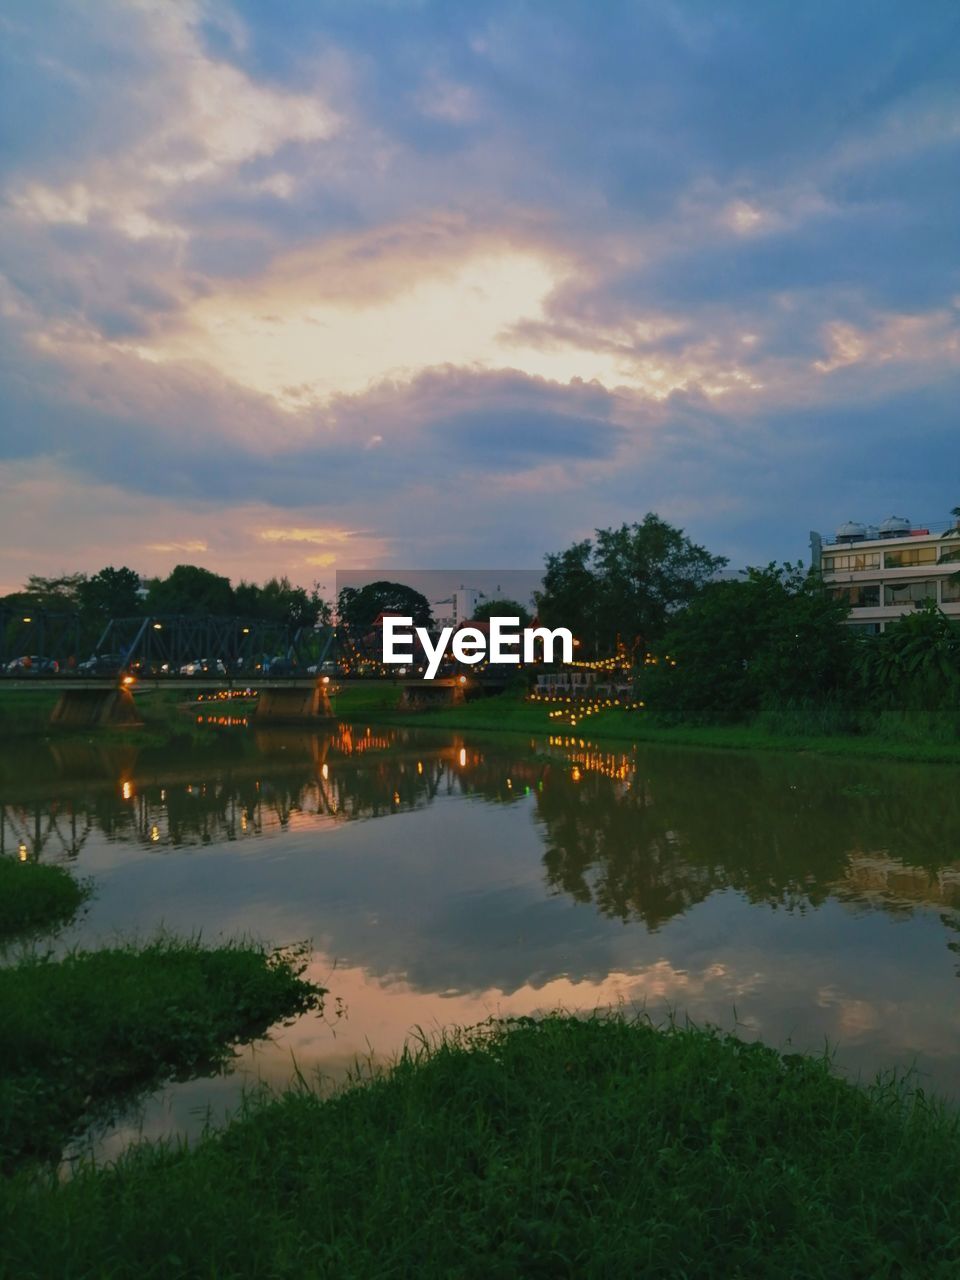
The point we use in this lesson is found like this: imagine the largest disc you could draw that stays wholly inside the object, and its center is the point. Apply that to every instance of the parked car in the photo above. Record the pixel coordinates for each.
(322, 669)
(280, 666)
(244, 666)
(101, 664)
(203, 667)
(151, 669)
(33, 664)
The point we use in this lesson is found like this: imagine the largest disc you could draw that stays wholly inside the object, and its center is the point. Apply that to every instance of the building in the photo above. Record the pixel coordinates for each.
(465, 601)
(885, 571)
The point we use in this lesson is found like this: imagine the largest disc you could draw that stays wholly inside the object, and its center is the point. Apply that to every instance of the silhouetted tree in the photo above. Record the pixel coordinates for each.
(627, 583)
(111, 593)
(502, 609)
(359, 607)
(190, 589)
(775, 637)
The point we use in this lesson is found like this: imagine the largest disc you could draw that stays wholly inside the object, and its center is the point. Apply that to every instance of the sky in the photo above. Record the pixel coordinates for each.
(301, 287)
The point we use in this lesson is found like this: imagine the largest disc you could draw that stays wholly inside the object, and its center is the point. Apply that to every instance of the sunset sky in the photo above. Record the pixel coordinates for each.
(296, 287)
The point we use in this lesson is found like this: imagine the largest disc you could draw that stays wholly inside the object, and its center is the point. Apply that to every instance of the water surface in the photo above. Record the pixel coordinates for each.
(445, 877)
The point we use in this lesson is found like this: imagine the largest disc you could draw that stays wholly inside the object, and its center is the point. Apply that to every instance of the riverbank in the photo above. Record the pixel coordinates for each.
(592, 1147)
(892, 735)
(895, 737)
(25, 713)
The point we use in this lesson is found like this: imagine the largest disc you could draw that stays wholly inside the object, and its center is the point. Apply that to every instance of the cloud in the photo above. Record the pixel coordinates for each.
(50, 516)
(321, 536)
(460, 288)
(198, 116)
(191, 546)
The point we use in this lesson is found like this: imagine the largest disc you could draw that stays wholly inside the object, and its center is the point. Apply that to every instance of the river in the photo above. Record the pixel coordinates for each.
(443, 878)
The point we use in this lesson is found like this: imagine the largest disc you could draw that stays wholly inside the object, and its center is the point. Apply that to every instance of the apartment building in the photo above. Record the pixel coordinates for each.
(884, 571)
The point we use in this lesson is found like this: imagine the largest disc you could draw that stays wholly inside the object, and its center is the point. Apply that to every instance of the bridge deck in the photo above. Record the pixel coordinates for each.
(237, 683)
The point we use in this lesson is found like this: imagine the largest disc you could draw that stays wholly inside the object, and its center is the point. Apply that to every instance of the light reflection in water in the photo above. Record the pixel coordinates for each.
(817, 899)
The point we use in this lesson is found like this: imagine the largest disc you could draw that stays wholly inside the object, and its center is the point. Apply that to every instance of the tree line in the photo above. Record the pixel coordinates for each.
(187, 589)
(773, 640)
(704, 646)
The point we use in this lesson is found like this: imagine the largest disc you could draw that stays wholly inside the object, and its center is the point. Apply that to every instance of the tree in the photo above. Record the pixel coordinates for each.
(56, 594)
(111, 593)
(190, 589)
(569, 595)
(359, 607)
(915, 662)
(278, 601)
(624, 585)
(773, 638)
(502, 609)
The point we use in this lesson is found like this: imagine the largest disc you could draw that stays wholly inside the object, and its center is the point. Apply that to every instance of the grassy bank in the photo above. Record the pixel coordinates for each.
(892, 735)
(918, 737)
(26, 713)
(561, 1148)
(35, 896)
(88, 1030)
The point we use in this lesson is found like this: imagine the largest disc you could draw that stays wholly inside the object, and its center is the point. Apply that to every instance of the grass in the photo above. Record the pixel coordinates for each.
(895, 735)
(889, 735)
(594, 1148)
(35, 896)
(85, 1031)
(26, 713)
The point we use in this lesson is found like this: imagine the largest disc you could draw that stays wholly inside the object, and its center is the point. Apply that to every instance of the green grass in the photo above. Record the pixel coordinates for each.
(82, 1032)
(35, 896)
(891, 735)
(596, 1148)
(26, 711)
(373, 697)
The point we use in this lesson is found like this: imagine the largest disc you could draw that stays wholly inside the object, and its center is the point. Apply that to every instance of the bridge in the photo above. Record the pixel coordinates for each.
(159, 643)
(91, 702)
(290, 670)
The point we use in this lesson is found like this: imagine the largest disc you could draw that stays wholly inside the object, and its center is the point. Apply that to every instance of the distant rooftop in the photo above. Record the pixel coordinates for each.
(891, 527)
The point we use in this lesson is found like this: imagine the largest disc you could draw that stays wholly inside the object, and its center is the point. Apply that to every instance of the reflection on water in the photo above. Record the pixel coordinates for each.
(805, 899)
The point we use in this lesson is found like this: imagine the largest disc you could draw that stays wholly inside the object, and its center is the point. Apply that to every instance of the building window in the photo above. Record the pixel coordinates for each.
(950, 590)
(909, 592)
(907, 556)
(863, 595)
(855, 563)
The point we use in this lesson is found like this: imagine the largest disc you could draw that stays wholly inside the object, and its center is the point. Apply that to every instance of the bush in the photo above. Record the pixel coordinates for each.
(36, 896)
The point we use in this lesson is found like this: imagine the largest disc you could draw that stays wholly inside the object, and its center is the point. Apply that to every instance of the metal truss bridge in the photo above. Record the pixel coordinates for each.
(157, 645)
(289, 668)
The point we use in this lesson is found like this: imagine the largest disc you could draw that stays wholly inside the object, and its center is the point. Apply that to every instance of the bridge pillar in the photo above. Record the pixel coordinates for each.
(289, 704)
(95, 708)
(424, 694)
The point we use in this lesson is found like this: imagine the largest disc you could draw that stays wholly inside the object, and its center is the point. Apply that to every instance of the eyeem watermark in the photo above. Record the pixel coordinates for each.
(505, 642)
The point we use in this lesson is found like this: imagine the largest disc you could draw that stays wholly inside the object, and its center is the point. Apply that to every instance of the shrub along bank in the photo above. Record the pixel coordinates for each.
(34, 896)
